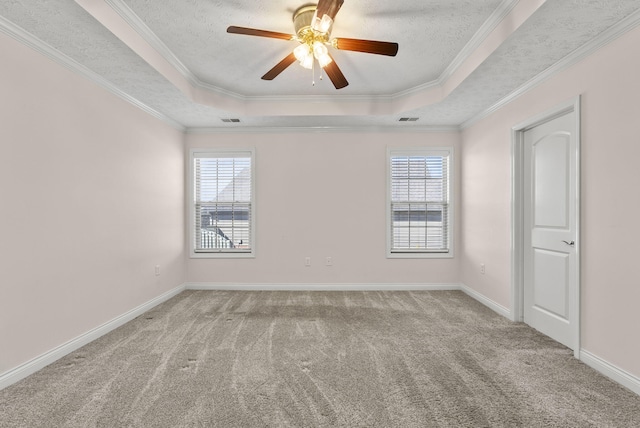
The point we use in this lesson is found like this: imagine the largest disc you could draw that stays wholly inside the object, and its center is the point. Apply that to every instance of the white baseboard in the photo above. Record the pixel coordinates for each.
(319, 287)
(496, 307)
(501, 310)
(20, 372)
(614, 373)
(14, 375)
(609, 370)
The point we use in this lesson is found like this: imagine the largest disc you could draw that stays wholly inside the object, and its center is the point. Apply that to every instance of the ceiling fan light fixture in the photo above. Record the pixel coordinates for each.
(307, 62)
(321, 53)
(313, 25)
(302, 52)
(303, 19)
(313, 34)
(324, 60)
(313, 38)
(322, 25)
(319, 49)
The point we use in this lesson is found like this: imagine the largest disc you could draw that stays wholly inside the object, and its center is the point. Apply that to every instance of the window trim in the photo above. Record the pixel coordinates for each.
(224, 152)
(422, 254)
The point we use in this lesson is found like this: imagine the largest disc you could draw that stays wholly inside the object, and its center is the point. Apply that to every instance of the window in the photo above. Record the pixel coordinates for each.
(222, 208)
(419, 208)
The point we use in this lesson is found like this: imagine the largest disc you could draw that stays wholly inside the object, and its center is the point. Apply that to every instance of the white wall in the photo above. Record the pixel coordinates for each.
(322, 194)
(92, 198)
(609, 84)
(91, 194)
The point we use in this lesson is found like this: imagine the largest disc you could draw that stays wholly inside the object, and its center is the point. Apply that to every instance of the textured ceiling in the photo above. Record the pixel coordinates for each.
(430, 35)
(176, 59)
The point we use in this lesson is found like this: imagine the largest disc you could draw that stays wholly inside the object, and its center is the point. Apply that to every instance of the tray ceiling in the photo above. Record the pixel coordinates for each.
(457, 58)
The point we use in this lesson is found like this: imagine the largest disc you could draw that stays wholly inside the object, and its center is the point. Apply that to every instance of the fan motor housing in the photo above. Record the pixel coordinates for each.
(302, 20)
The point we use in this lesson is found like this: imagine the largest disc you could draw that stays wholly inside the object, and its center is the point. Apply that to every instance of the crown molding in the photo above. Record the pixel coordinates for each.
(486, 30)
(31, 41)
(480, 36)
(606, 37)
(322, 129)
(141, 28)
(28, 39)
(136, 23)
(24, 37)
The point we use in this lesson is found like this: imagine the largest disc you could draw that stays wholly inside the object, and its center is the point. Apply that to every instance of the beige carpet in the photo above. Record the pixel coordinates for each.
(319, 359)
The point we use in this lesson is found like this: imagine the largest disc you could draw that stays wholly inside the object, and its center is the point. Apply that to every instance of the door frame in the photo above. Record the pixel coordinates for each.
(517, 214)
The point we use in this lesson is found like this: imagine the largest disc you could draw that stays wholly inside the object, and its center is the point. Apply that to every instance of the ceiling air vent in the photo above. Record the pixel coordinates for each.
(408, 119)
(231, 120)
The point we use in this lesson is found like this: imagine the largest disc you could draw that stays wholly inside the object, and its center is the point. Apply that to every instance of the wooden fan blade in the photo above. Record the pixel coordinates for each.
(336, 76)
(328, 7)
(280, 67)
(260, 33)
(367, 46)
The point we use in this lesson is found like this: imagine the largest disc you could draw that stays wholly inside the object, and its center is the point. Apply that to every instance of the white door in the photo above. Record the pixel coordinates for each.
(550, 183)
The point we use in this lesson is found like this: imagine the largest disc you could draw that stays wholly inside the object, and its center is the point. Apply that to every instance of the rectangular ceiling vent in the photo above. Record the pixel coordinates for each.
(231, 120)
(408, 119)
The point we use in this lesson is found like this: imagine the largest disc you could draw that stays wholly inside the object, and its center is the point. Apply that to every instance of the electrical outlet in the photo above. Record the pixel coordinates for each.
(328, 261)
(307, 261)
(157, 270)
(482, 269)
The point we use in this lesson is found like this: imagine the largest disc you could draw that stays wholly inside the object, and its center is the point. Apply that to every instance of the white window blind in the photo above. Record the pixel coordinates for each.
(223, 193)
(419, 202)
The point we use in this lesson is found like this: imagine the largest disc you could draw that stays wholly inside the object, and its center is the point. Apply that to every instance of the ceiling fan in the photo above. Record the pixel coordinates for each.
(313, 25)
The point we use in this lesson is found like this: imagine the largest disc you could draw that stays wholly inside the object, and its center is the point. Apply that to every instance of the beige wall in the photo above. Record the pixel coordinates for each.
(91, 194)
(609, 85)
(322, 194)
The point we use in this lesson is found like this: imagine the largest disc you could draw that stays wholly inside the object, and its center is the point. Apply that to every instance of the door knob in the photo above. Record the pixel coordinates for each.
(572, 243)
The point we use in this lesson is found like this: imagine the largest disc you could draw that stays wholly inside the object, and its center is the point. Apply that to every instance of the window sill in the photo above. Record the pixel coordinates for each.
(419, 255)
(222, 255)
